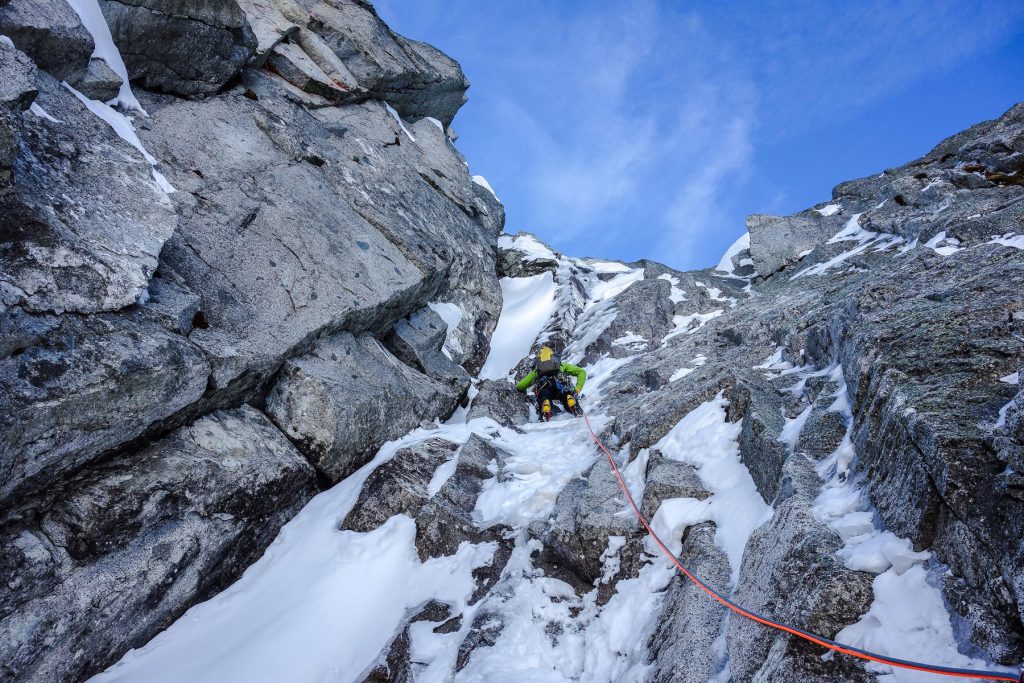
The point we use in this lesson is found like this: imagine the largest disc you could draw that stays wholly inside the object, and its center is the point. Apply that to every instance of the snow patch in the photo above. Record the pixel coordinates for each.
(528, 303)
(482, 182)
(93, 21)
(534, 249)
(677, 294)
(401, 123)
(852, 232)
(451, 314)
(1012, 378)
(830, 210)
(1010, 239)
(704, 439)
(683, 372)
(685, 324)
(725, 265)
(942, 245)
(41, 113)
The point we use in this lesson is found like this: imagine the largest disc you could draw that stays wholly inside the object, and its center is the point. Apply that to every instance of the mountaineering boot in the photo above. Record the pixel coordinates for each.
(545, 410)
(572, 405)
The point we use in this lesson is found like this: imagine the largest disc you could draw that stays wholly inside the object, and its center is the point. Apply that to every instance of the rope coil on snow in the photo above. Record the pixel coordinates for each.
(798, 632)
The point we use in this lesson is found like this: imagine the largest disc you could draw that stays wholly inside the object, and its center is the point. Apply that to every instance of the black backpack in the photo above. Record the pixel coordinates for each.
(547, 363)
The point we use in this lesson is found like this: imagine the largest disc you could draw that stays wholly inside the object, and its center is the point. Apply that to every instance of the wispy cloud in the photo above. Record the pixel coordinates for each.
(638, 129)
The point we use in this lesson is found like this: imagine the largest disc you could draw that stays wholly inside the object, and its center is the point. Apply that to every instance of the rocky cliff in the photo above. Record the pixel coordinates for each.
(265, 273)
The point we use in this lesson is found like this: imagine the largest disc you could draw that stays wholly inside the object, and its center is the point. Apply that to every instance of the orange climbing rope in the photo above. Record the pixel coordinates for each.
(800, 633)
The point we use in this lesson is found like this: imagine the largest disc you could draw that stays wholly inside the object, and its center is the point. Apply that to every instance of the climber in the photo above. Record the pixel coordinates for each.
(549, 375)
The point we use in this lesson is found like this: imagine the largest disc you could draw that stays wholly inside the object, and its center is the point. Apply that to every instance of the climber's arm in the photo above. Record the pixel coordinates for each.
(579, 373)
(527, 382)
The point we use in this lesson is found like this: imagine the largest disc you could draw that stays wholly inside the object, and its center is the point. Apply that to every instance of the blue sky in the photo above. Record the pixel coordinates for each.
(652, 129)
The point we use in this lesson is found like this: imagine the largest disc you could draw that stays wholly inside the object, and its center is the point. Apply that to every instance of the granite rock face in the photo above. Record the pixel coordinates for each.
(144, 334)
(83, 220)
(349, 396)
(124, 548)
(415, 78)
(181, 46)
(51, 34)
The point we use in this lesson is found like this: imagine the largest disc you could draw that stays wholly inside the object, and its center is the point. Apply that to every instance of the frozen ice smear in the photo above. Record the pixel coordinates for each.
(1010, 239)
(527, 304)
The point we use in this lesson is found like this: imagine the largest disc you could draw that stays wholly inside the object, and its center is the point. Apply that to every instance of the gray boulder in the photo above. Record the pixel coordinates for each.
(822, 433)
(416, 79)
(446, 520)
(500, 401)
(51, 34)
(116, 553)
(778, 240)
(83, 223)
(488, 623)
(89, 385)
(682, 647)
(341, 402)
(586, 514)
(791, 572)
(418, 341)
(292, 63)
(181, 46)
(272, 22)
(760, 448)
(399, 486)
(99, 82)
(669, 479)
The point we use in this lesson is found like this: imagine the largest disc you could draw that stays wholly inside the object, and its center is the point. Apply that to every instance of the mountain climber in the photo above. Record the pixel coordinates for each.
(549, 375)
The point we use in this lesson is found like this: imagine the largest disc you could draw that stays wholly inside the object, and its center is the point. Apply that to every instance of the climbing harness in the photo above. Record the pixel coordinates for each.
(800, 633)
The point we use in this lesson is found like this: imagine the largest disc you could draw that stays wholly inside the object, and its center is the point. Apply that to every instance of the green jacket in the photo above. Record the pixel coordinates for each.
(579, 373)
